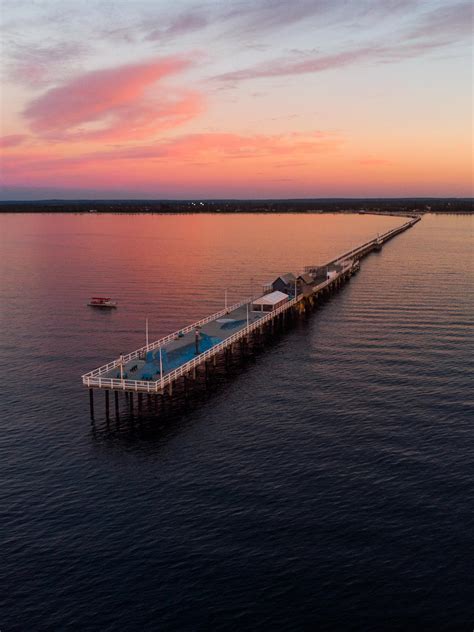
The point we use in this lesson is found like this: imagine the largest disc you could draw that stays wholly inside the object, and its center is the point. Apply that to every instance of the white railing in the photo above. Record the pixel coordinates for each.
(158, 385)
(162, 341)
(145, 386)
(94, 378)
(355, 251)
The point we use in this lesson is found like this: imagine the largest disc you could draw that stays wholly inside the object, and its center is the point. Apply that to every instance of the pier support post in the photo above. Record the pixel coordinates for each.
(107, 404)
(116, 404)
(139, 400)
(130, 401)
(91, 402)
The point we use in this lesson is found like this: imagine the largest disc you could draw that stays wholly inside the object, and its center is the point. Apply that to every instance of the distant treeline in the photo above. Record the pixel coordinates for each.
(386, 205)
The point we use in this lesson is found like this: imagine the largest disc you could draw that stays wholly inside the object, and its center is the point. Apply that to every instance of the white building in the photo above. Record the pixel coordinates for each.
(269, 302)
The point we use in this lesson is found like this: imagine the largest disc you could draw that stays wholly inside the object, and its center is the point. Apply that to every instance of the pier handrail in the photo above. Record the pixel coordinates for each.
(185, 368)
(154, 386)
(94, 378)
(355, 251)
(158, 385)
(160, 342)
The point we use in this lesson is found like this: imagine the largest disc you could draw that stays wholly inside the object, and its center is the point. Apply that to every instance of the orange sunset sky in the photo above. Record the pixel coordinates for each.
(252, 98)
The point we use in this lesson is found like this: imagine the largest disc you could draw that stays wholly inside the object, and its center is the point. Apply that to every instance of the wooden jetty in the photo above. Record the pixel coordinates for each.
(172, 365)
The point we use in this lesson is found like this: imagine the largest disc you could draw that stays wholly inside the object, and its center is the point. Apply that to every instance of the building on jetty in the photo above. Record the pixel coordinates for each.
(161, 366)
(270, 302)
(285, 283)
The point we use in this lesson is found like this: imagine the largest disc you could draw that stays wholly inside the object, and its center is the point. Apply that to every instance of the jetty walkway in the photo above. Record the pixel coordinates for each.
(175, 360)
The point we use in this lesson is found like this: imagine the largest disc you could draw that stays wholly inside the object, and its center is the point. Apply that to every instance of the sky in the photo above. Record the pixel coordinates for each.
(235, 99)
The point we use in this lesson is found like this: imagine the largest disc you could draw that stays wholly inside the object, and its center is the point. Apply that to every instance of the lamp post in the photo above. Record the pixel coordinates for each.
(161, 369)
(196, 341)
(146, 331)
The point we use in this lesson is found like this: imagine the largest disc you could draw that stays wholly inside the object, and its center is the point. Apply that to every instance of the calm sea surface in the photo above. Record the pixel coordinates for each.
(327, 486)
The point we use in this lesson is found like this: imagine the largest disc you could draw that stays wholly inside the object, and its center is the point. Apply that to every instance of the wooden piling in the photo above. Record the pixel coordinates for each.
(91, 402)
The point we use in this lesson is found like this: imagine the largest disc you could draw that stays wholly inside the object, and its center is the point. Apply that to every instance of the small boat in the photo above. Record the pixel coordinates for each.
(98, 301)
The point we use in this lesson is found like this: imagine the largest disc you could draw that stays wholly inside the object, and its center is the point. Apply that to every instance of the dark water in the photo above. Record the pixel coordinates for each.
(326, 487)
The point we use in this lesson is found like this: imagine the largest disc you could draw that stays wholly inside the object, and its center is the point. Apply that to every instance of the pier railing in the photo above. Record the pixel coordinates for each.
(94, 378)
(159, 343)
(146, 386)
(355, 252)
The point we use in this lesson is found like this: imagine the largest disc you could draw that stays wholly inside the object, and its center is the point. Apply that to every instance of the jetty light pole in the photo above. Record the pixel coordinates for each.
(146, 331)
(161, 369)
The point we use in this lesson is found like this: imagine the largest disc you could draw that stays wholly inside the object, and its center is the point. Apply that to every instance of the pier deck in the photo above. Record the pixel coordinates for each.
(155, 367)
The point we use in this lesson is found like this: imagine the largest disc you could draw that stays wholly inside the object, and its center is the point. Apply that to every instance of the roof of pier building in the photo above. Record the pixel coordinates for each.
(272, 299)
(305, 277)
(287, 278)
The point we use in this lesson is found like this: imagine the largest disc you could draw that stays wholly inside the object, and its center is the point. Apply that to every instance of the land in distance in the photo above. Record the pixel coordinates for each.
(326, 205)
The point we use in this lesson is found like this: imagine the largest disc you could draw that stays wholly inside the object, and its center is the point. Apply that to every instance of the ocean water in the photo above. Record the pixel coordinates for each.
(326, 486)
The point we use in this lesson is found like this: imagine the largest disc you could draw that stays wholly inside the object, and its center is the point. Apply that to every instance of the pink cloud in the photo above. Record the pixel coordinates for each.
(258, 145)
(375, 162)
(12, 140)
(114, 104)
(213, 149)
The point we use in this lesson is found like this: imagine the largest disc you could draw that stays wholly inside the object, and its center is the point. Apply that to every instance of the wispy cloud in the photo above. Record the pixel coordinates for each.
(211, 149)
(452, 22)
(374, 162)
(184, 23)
(37, 65)
(114, 104)
(264, 16)
(312, 62)
(12, 140)
(434, 30)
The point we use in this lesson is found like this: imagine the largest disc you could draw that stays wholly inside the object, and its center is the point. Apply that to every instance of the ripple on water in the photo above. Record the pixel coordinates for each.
(327, 486)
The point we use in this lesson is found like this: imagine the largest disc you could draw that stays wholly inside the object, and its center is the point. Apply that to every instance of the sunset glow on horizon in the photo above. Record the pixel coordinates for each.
(314, 98)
